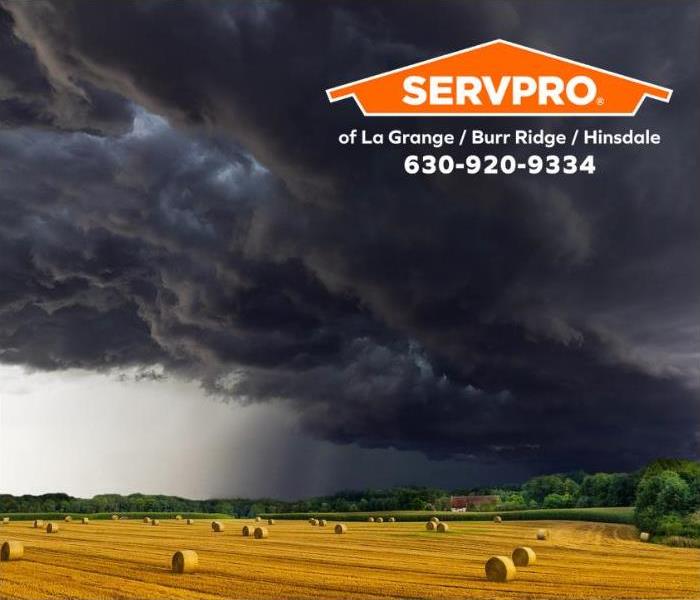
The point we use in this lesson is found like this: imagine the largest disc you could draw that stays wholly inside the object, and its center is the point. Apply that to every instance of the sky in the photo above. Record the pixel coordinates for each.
(202, 293)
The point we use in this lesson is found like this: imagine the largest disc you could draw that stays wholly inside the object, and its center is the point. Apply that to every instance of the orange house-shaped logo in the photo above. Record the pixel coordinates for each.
(499, 79)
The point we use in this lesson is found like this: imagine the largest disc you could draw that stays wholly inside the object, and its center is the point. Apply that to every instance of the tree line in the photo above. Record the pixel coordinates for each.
(666, 494)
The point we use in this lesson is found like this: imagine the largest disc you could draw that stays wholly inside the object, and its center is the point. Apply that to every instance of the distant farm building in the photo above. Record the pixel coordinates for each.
(464, 503)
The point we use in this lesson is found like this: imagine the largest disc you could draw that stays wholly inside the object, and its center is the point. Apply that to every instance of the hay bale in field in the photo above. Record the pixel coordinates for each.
(434, 520)
(260, 533)
(51, 528)
(270, 521)
(84, 520)
(217, 526)
(11, 550)
(322, 523)
(524, 556)
(498, 519)
(257, 519)
(190, 521)
(500, 568)
(543, 534)
(246, 531)
(379, 520)
(6, 519)
(442, 528)
(38, 523)
(185, 561)
(67, 518)
(314, 522)
(370, 519)
(179, 518)
(155, 522)
(430, 525)
(341, 528)
(644, 536)
(147, 519)
(391, 520)
(115, 517)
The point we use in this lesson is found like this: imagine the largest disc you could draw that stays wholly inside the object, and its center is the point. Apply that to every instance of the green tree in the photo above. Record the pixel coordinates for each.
(558, 501)
(538, 488)
(665, 493)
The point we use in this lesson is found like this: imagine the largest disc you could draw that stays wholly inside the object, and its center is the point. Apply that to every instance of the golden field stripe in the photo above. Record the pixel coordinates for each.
(126, 559)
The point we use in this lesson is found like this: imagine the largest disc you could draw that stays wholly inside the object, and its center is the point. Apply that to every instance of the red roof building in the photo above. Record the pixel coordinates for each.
(464, 503)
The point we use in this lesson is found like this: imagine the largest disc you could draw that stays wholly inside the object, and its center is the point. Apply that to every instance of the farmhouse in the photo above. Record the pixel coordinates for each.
(464, 503)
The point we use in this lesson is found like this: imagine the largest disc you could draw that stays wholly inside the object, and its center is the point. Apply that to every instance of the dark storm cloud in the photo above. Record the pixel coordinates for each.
(30, 94)
(549, 320)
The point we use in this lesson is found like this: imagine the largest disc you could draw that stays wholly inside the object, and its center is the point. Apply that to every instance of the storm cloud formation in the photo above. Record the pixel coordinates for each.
(172, 193)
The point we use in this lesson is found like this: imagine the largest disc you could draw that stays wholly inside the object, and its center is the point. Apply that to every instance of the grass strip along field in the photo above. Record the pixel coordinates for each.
(59, 516)
(131, 559)
(616, 514)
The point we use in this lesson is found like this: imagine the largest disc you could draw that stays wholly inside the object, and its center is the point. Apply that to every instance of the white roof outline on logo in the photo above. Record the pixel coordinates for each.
(645, 95)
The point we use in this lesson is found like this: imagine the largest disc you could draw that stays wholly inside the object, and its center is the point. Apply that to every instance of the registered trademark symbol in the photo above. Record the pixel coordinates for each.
(600, 101)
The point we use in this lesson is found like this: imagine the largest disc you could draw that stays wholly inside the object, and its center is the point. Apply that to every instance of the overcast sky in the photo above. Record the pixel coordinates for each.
(202, 293)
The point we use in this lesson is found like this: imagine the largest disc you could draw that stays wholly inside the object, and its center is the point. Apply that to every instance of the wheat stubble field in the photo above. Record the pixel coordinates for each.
(131, 559)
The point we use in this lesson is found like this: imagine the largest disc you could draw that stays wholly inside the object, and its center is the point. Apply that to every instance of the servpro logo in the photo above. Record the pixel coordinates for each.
(501, 79)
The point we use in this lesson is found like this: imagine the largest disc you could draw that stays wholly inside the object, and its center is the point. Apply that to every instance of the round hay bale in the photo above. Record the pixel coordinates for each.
(6, 519)
(270, 521)
(543, 534)
(179, 518)
(442, 528)
(185, 561)
(67, 518)
(257, 519)
(246, 531)
(84, 520)
(524, 556)
(51, 528)
(370, 519)
(155, 522)
(430, 525)
(498, 519)
(322, 523)
(260, 533)
(190, 521)
(434, 520)
(391, 520)
(644, 536)
(314, 522)
(38, 524)
(500, 568)
(11, 550)
(217, 526)
(115, 517)
(379, 520)
(341, 528)
(147, 519)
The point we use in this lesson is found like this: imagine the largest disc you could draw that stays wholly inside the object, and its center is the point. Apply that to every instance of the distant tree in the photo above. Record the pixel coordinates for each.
(659, 495)
(558, 501)
(511, 501)
(225, 507)
(538, 488)
(443, 503)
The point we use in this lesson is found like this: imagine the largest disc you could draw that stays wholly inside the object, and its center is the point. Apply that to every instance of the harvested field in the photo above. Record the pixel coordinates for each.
(124, 559)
